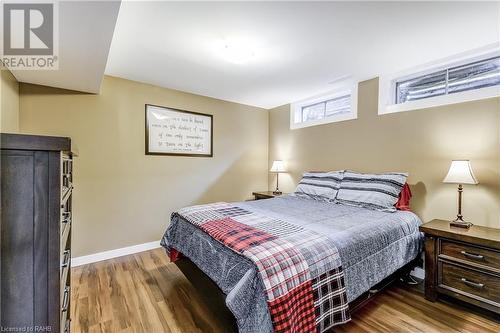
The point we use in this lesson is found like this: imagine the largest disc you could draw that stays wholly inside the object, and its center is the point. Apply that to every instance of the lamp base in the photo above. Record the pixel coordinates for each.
(277, 192)
(459, 223)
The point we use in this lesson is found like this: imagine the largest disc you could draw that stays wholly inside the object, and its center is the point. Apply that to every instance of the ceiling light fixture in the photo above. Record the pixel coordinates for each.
(236, 51)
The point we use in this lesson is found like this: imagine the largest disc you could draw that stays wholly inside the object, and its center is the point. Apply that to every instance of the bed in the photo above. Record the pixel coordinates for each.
(372, 245)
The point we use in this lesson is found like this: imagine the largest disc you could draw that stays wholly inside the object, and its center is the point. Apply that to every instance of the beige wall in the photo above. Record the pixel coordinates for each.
(420, 142)
(123, 197)
(9, 102)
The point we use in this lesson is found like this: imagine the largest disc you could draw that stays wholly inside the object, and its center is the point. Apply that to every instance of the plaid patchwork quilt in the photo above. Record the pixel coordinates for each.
(300, 269)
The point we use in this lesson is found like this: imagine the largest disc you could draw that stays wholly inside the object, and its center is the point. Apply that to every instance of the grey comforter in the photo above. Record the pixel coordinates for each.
(372, 245)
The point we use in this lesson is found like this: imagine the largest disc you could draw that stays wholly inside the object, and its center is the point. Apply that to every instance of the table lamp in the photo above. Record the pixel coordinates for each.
(277, 167)
(460, 173)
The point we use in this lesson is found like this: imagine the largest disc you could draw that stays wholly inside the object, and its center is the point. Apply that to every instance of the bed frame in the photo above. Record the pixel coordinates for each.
(215, 298)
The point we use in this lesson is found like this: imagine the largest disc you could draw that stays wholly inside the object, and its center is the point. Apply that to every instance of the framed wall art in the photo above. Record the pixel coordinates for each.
(171, 131)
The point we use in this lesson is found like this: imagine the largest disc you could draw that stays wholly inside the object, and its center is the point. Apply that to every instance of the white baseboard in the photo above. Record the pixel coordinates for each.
(100, 256)
(418, 273)
(83, 260)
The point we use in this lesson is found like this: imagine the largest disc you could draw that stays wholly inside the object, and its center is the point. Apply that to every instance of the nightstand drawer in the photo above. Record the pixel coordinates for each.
(471, 283)
(471, 253)
(462, 263)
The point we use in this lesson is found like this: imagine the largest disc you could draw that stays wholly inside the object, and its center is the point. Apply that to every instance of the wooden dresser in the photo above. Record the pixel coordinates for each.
(463, 263)
(35, 243)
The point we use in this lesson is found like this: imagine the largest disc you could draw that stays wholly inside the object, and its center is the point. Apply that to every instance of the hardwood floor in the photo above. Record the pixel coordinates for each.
(146, 293)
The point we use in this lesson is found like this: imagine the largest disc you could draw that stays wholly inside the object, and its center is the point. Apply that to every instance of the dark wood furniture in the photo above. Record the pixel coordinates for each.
(35, 242)
(462, 263)
(265, 195)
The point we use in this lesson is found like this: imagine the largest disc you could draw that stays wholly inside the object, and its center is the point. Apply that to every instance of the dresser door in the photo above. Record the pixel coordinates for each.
(24, 238)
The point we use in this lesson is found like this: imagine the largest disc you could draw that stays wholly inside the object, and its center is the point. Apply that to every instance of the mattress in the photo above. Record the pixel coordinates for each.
(372, 245)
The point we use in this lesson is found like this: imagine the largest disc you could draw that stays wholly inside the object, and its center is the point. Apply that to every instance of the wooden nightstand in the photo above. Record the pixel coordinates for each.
(462, 263)
(265, 195)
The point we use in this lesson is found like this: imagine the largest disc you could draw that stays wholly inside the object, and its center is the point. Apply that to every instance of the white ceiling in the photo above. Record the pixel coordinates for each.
(85, 34)
(299, 48)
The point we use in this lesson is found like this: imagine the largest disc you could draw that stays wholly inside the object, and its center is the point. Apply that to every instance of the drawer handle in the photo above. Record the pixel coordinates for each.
(472, 255)
(65, 299)
(472, 284)
(67, 256)
(66, 218)
(67, 326)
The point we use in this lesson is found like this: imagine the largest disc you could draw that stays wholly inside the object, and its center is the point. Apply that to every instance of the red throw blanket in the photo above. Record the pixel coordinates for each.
(300, 269)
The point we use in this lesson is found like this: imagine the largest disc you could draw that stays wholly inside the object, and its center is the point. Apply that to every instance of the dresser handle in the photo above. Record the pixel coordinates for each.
(66, 217)
(472, 284)
(67, 256)
(67, 326)
(472, 255)
(65, 299)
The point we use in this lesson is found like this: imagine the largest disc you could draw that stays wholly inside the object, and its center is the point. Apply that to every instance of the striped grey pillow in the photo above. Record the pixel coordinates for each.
(319, 185)
(374, 191)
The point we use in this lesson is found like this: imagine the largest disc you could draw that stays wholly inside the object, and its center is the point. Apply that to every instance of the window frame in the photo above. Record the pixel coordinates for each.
(296, 107)
(387, 84)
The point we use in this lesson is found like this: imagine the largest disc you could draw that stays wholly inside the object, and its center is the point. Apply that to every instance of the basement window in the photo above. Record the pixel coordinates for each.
(476, 75)
(332, 107)
(453, 82)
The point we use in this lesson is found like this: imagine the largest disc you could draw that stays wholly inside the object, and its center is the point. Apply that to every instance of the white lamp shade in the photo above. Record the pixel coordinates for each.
(278, 166)
(460, 173)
